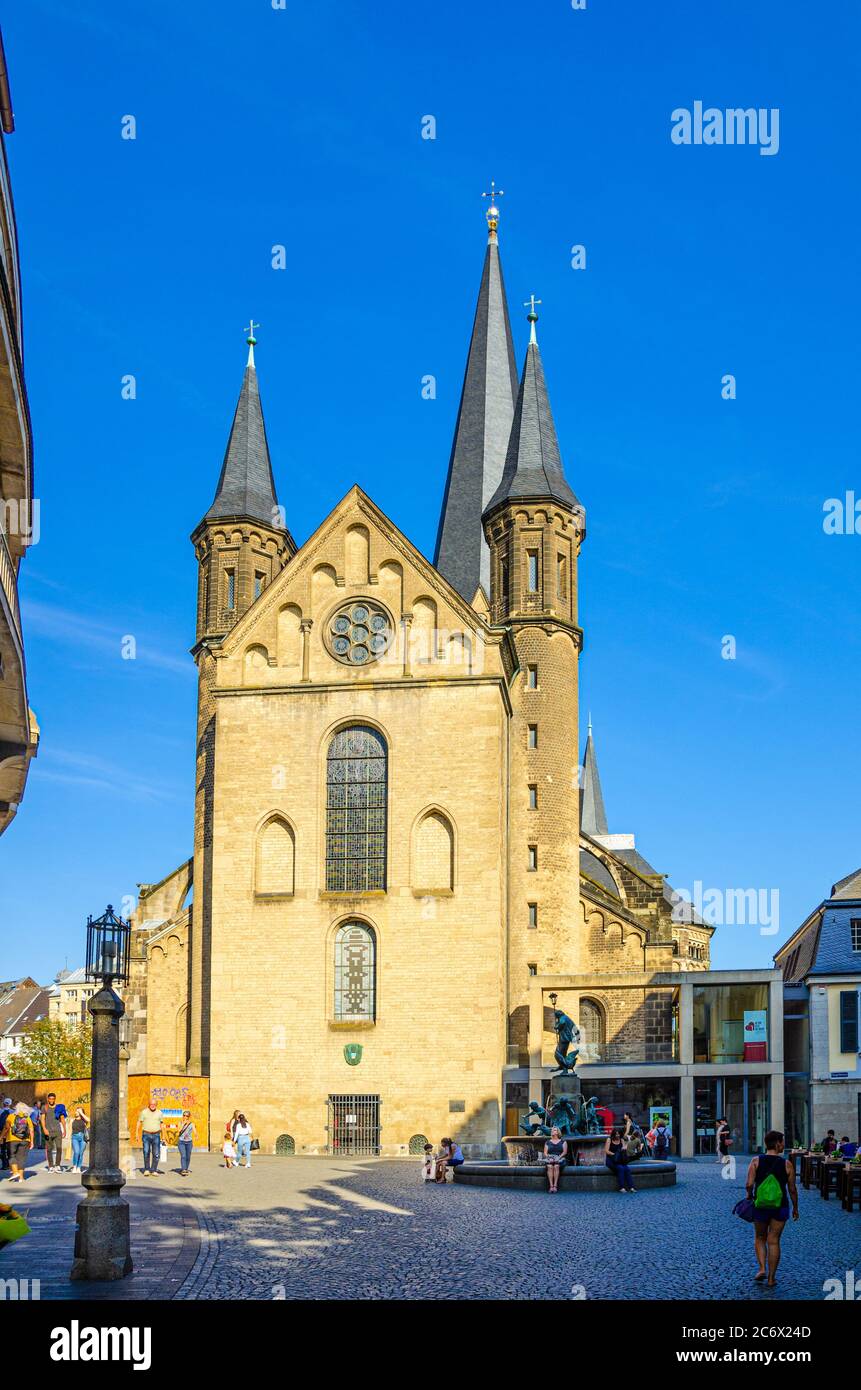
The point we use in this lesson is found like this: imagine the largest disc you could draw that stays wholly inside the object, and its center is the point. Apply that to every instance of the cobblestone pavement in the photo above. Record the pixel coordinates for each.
(314, 1228)
(165, 1237)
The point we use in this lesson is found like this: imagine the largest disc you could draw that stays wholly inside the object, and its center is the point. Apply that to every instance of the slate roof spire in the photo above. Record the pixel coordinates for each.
(533, 463)
(482, 430)
(593, 817)
(246, 486)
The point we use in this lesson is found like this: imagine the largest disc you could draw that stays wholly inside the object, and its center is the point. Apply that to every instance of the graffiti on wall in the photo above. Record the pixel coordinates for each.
(173, 1095)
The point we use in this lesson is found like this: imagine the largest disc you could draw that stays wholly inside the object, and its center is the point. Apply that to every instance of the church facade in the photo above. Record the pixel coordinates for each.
(398, 855)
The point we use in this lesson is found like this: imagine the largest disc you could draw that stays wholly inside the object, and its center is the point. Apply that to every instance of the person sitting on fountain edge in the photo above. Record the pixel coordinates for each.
(616, 1158)
(555, 1154)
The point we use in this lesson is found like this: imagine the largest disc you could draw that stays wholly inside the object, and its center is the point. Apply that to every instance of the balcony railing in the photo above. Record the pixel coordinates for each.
(9, 585)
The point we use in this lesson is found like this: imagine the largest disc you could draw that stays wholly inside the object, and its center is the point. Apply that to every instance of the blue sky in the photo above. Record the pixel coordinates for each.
(302, 127)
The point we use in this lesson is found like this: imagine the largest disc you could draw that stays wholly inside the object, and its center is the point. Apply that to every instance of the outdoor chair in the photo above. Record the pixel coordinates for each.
(829, 1179)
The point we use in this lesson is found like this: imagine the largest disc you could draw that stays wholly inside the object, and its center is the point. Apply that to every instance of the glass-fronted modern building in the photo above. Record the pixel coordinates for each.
(697, 1046)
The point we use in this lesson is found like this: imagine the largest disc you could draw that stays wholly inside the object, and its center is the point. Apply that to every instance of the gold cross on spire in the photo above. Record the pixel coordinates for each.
(530, 304)
(251, 340)
(492, 213)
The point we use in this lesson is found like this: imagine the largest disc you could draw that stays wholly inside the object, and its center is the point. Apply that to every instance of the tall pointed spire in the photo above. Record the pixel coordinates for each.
(482, 429)
(246, 486)
(593, 817)
(533, 463)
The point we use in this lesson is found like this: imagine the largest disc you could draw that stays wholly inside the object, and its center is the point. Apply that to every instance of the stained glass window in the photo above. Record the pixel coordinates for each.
(355, 972)
(356, 781)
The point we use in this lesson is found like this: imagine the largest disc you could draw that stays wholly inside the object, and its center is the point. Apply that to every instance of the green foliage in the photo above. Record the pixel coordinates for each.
(52, 1049)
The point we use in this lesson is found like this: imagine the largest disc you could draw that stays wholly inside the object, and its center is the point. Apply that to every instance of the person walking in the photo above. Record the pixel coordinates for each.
(555, 1154)
(724, 1141)
(36, 1112)
(228, 1148)
(54, 1130)
(6, 1111)
(18, 1134)
(148, 1134)
(185, 1142)
(635, 1142)
(242, 1133)
(616, 1159)
(771, 1184)
(661, 1147)
(80, 1138)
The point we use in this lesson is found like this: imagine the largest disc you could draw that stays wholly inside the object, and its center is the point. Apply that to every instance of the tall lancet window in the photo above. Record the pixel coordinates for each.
(356, 784)
(355, 972)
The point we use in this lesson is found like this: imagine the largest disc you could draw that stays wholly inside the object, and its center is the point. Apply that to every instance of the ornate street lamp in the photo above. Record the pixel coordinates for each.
(102, 1238)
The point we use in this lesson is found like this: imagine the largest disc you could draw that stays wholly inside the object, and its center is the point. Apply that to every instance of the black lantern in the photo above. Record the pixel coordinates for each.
(108, 948)
(552, 996)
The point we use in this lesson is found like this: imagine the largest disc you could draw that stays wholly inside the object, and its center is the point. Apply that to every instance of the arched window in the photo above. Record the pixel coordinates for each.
(434, 857)
(355, 972)
(591, 1022)
(356, 777)
(275, 858)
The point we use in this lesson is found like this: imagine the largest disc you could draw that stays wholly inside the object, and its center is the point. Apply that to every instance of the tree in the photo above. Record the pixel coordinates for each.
(52, 1049)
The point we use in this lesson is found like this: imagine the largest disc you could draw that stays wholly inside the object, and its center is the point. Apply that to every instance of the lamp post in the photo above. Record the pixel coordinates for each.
(125, 1143)
(102, 1238)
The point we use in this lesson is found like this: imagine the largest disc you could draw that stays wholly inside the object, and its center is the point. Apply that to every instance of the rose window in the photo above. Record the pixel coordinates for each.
(359, 633)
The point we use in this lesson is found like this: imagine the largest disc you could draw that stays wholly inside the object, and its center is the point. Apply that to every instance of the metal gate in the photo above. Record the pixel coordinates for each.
(354, 1125)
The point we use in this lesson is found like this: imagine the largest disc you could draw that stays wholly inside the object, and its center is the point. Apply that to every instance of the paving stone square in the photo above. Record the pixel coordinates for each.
(318, 1228)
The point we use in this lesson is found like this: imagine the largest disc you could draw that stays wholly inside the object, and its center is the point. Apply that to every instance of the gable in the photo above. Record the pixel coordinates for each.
(834, 954)
(358, 604)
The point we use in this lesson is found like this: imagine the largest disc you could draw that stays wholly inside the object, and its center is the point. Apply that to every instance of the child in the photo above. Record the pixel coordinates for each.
(228, 1148)
(428, 1164)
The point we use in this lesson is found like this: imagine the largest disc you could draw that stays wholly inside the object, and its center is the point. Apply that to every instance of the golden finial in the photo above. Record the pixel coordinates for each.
(492, 213)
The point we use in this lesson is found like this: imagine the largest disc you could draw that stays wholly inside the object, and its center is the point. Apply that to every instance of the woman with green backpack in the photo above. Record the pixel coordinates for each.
(770, 1185)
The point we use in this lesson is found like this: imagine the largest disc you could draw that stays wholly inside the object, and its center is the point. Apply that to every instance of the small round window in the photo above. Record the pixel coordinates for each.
(359, 633)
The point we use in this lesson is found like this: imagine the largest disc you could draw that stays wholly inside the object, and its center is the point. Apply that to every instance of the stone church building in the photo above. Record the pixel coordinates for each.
(398, 855)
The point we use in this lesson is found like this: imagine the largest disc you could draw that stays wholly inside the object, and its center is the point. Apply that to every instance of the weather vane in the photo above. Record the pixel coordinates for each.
(492, 213)
(532, 317)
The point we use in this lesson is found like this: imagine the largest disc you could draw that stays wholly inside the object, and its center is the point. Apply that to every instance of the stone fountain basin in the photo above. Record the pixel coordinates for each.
(584, 1150)
(592, 1177)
